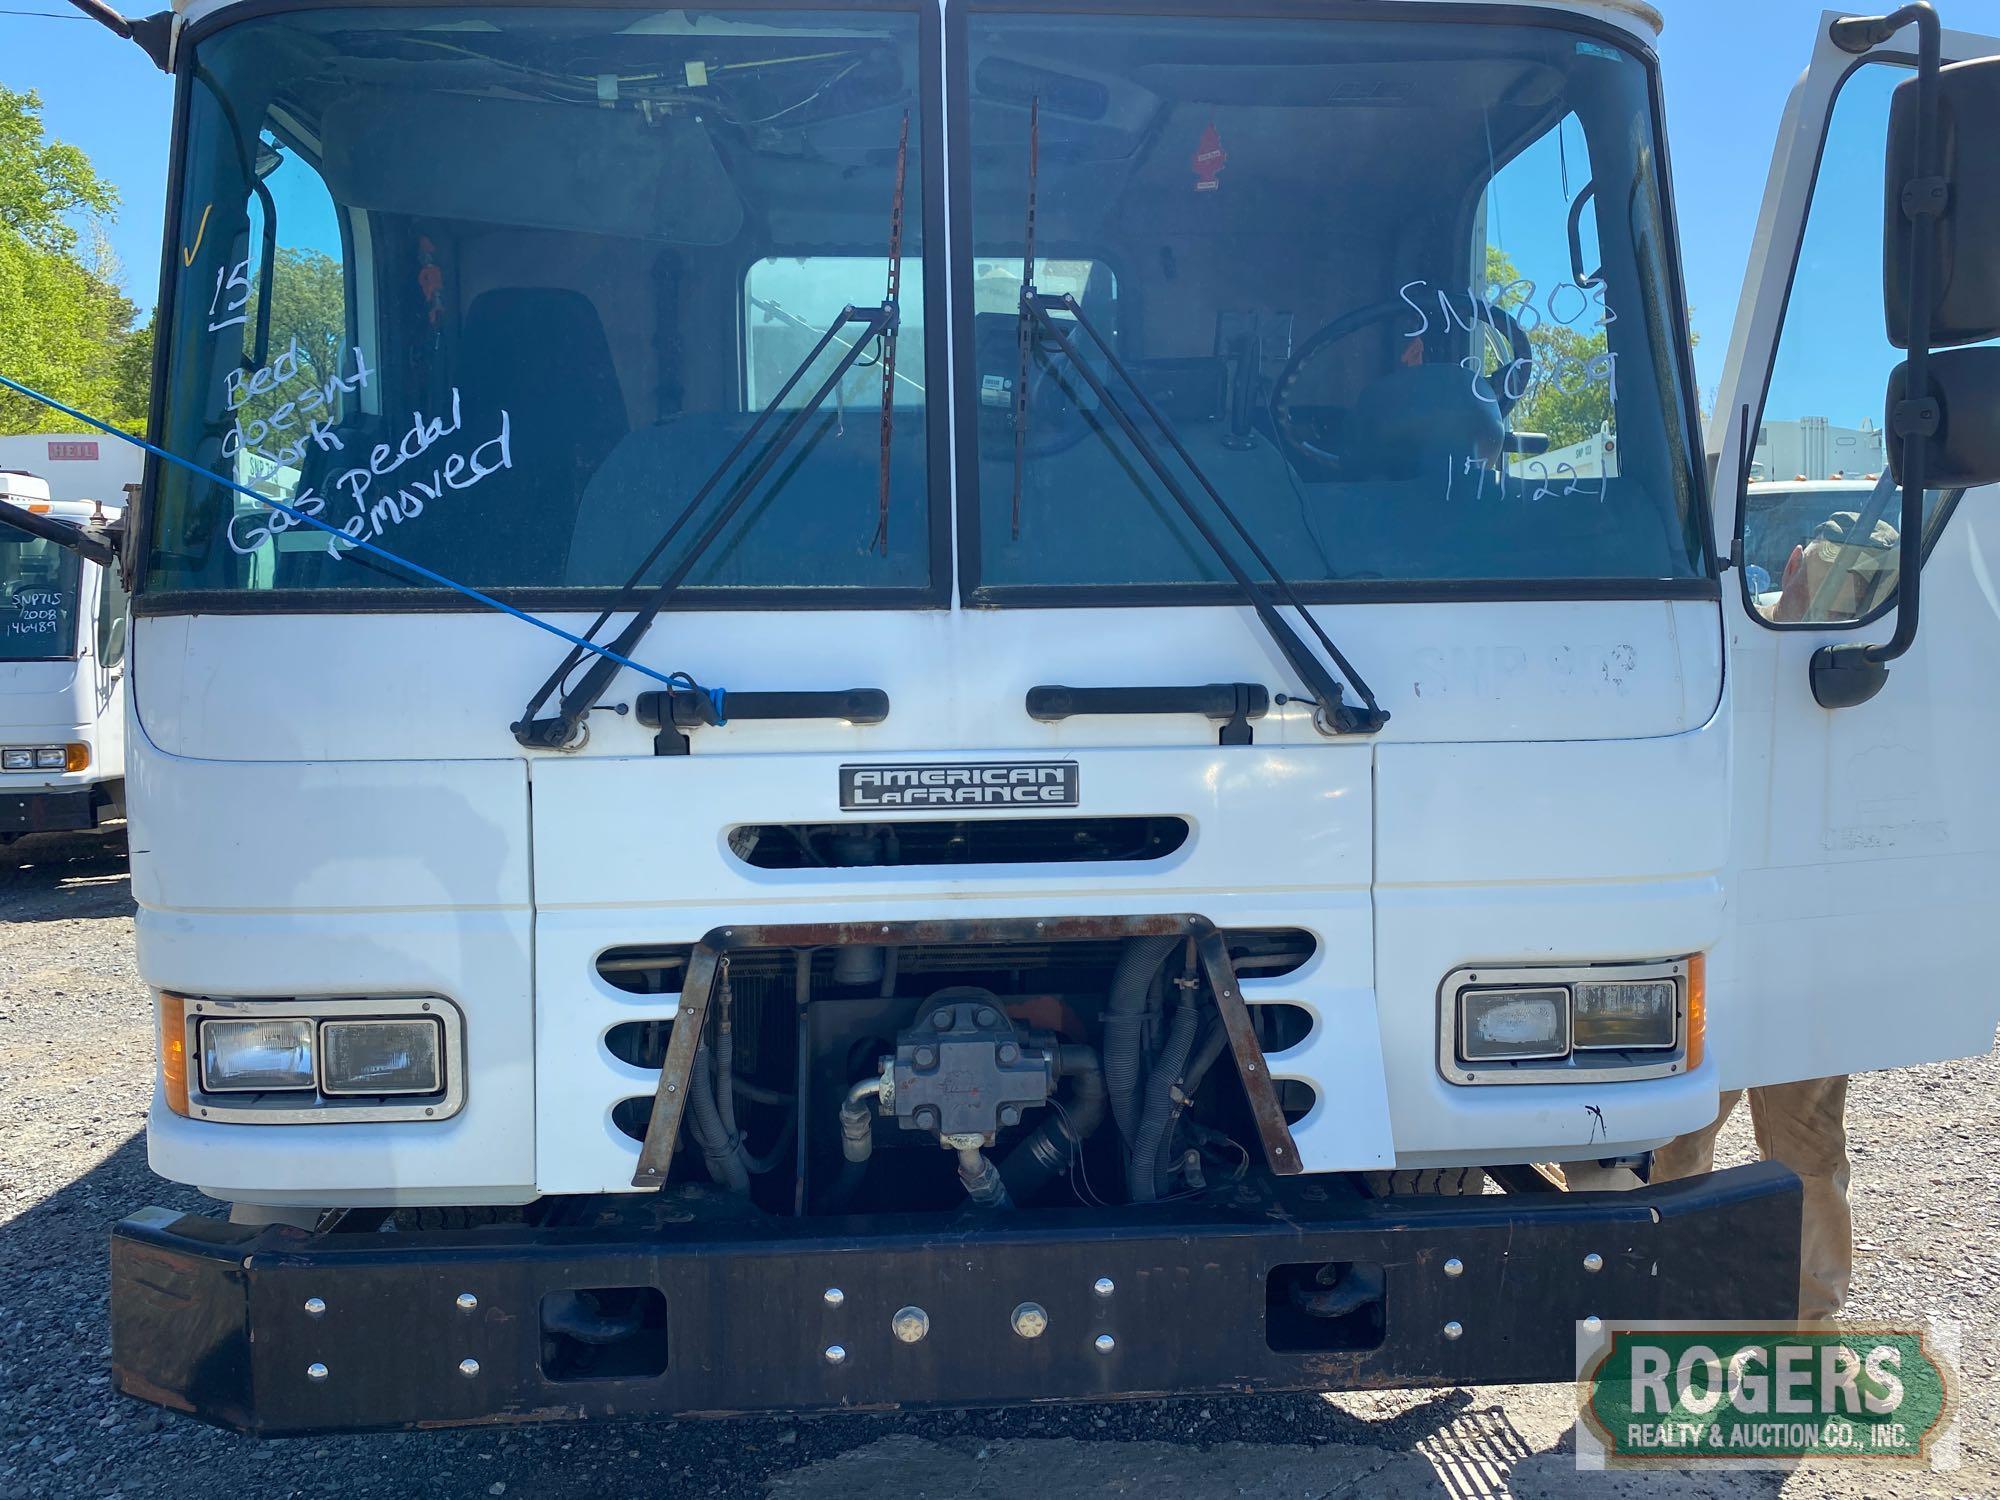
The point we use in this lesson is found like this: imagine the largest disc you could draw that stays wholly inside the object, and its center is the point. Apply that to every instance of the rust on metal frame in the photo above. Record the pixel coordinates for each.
(670, 1098)
(1281, 1152)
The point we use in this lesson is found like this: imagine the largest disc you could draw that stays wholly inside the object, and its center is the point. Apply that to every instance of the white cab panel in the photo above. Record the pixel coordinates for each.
(632, 852)
(382, 878)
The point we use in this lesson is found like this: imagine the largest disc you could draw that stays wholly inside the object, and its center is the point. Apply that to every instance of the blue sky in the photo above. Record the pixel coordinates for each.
(1729, 65)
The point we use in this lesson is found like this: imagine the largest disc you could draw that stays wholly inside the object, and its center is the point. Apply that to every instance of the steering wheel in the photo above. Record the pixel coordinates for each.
(1310, 445)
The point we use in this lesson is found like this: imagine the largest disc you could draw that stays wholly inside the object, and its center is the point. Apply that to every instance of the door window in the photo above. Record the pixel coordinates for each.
(1819, 525)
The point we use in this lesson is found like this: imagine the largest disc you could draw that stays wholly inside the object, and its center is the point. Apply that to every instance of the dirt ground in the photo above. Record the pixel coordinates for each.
(75, 1077)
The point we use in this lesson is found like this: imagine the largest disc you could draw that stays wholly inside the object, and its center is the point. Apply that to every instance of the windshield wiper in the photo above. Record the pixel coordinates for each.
(1332, 714)
(559, 732)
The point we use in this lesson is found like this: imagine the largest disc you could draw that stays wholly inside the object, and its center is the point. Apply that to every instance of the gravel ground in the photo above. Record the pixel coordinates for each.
(75, 1075)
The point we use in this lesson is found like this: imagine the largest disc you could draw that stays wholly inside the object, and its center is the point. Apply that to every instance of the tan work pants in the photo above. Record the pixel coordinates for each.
(1802, 1126)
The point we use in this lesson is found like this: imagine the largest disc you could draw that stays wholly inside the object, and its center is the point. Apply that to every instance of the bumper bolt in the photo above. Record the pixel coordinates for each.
(1454, 1267)
(1030, 1320)
(833, 1296)
(315, 1307)
(835, 1355)
(1593, 1262)
(1593, 1324)
(1104, 1343)
(910, 1324)
(467, 1302)
(315, 1371)
(468, 1367)
(1454, 1329)
(1104, 1286)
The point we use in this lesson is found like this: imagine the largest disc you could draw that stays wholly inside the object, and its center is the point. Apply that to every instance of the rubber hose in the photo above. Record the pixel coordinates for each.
(1124, 1012)
(1145, 1177)
(1213, 1040)
(1047, 1153)
(724, 1165)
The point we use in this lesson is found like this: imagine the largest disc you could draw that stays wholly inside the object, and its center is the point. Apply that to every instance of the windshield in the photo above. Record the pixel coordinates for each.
(38, 594)
(1400, 287)
(496, 288)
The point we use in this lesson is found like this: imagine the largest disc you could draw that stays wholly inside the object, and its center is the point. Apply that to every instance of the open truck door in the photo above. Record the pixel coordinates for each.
(1865, 854)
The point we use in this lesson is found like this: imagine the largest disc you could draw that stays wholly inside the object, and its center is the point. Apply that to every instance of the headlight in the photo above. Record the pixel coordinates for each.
(307, 1060)
(71, 757)
(1623, 1016)
(381, 1057)
(256, 1056)
(1570, 1023)
(1508, 1025)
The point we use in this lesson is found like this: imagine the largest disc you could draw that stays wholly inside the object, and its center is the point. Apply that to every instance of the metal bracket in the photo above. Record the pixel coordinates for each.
(1926, 197)
(1281, 1152)
(1919, 416)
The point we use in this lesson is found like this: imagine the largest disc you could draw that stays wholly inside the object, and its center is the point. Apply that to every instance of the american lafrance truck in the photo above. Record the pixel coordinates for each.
(882, 704)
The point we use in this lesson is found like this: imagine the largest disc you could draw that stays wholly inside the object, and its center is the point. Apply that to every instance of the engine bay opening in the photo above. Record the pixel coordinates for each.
(858, 1078)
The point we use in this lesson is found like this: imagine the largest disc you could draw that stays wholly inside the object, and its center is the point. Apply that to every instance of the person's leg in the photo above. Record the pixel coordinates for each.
(1804, 1126)
(1692, 1154)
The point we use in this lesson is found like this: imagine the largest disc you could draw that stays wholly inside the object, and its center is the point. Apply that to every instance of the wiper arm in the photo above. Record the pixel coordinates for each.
(560, 731)
(1332, 714)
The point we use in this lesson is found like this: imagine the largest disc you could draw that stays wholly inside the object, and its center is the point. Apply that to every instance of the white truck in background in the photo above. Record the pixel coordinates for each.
(62, 673)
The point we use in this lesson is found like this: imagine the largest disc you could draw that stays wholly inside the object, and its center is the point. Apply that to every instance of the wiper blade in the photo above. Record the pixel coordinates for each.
(1332, 713)
(560, 731)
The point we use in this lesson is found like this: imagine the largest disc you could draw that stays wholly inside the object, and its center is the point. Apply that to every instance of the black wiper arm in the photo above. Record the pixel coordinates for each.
(560, 731)
(1333, 714)
(557, 732)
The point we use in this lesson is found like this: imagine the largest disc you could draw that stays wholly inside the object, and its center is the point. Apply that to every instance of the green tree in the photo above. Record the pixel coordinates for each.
(1570, 397)
(65, 327)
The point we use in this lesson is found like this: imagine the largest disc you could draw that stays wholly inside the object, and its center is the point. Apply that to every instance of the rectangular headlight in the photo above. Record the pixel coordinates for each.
(256, 1056)
(49, 758)
(1624, 1016)
(382, 1057)
(1506, 1025)
(17, 760)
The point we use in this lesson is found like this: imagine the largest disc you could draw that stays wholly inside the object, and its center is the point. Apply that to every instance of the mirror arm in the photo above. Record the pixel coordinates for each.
(90, 543)
(153, 35)
(1852, 673)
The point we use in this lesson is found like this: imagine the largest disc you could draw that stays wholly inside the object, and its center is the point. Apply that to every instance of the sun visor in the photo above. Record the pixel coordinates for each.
(514, 162)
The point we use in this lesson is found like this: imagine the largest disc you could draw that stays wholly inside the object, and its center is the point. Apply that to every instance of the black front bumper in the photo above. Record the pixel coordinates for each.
(64, 810)
(214, 1319)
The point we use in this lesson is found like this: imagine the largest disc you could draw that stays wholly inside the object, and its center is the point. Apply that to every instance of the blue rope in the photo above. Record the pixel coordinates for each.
(356, 542)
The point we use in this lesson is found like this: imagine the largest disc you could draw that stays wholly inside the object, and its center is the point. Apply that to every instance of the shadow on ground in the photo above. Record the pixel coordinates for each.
(48, 877)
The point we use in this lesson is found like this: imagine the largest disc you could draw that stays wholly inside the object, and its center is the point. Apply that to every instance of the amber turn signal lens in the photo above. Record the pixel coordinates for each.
(1697, 1009)
(173, 1051)
(76, 757)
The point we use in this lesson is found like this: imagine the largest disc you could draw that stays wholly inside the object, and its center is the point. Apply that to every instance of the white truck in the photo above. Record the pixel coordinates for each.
(62, 672)
(1058, 866)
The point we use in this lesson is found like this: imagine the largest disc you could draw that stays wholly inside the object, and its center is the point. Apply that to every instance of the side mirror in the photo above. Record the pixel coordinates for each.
(1963, 198)
(1961, 448)
(1940, 287)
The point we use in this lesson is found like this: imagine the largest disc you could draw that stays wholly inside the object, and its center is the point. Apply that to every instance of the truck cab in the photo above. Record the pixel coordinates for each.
(925, 702)
(62, 673)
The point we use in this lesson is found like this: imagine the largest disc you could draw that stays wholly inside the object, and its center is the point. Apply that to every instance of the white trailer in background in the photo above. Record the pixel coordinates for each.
(1813, 448)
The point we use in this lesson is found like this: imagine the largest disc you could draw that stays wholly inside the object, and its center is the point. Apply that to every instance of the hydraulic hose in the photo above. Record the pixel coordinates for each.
(718, 1150)
(1047, 1153)
(981, 1179)
(857, 1143)
(1159, 1104)
(1124, 1014)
